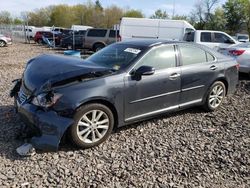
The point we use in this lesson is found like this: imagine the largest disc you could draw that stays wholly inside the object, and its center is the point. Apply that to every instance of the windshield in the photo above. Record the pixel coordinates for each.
(243, 37)
(117, 56)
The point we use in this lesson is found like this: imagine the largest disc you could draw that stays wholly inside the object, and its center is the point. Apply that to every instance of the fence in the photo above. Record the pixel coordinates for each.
(16, 32)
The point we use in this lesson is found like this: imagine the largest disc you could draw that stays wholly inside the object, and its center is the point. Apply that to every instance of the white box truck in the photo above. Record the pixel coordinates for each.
(145, 28)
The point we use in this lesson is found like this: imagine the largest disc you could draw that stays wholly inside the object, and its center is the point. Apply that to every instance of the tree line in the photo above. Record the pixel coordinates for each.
(232, 17)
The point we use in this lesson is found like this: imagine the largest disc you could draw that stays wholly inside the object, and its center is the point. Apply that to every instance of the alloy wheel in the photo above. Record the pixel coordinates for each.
(93, 126)
(216, 96)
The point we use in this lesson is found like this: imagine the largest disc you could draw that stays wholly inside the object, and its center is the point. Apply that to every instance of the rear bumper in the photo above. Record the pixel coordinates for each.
(48, 126)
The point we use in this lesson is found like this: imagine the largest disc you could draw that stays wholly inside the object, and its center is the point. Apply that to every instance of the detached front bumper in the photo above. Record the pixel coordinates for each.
(49, 126)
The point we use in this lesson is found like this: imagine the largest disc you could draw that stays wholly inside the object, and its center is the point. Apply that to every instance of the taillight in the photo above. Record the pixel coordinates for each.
(119, 38)
(236, 52)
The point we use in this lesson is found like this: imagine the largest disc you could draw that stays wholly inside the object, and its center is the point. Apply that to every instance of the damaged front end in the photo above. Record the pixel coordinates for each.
(45, 125)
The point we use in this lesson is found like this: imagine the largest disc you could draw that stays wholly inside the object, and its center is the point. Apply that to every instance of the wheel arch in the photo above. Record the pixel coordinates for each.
(221, 79)
(224, 81)
(96, 43)
(106, 103)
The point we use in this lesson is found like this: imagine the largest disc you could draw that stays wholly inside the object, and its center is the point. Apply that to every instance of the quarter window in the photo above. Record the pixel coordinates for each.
(192, 55)
(206, 37)
(112, 33)
(159, 58)
(209, 57)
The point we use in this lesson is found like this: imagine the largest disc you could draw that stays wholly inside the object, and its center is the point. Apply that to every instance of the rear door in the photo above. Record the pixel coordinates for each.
(199, 69)
(155, 93)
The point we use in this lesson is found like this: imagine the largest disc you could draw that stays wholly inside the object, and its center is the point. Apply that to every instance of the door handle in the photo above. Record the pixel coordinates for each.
(213, 67)
(174, 76)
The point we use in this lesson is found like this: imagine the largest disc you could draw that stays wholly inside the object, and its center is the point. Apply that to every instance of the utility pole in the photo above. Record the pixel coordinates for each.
(173, 9)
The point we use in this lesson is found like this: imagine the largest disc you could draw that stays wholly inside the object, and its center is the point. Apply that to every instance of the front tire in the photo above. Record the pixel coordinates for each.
(93, 125)
(215, 96)
(2, 43)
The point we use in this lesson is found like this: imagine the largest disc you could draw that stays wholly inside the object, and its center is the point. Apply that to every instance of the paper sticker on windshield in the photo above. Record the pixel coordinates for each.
(132, 50)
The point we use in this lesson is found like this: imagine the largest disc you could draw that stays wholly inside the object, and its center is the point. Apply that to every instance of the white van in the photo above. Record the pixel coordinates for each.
(80, 27)
(141, 28)
(212, 39)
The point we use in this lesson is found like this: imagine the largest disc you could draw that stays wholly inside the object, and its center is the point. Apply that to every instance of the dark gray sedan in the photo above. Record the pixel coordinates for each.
(123, 83)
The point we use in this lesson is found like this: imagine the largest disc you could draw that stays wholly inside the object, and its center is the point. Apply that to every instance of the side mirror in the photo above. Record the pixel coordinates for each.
(144, 71)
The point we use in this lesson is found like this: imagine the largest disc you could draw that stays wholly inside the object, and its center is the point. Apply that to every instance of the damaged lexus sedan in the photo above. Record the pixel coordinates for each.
(121, 84)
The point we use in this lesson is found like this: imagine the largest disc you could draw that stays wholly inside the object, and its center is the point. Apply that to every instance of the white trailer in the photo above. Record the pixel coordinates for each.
(145, 28)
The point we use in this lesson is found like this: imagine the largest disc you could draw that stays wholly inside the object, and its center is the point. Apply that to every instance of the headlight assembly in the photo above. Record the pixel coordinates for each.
(46, 99)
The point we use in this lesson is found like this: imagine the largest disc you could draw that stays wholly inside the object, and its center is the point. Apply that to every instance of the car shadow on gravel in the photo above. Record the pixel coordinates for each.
(154, 120)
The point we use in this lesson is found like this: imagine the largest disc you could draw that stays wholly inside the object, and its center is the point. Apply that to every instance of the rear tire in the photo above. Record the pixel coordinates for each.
(2, 43)
(93, 125)
(215, 96)
(98, 47)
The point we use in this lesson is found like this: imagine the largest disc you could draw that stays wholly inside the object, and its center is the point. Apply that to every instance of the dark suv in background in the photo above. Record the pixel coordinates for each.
(67, 40)
(96, 39)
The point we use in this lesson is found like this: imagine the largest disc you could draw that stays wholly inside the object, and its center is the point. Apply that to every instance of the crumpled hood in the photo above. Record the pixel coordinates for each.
(45, 70)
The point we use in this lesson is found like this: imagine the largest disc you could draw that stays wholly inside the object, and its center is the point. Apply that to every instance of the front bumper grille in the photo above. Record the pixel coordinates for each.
(22, 96)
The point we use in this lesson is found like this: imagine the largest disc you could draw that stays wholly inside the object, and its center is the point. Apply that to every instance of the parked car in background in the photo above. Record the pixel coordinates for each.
(48, 34)
(5, 40)
(145, 28)
(96, 39)
(123, 83)
(71, 41)
(241, 52)
(212, 39)
(242, 37)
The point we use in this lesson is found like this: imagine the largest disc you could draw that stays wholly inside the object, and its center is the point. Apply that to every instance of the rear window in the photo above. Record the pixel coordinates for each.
(97, 33)
(113, 32)
(206, 37)
(189, 37)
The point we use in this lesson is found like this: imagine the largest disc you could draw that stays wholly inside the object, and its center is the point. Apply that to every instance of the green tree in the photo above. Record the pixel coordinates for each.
(5, 17)
(180, 17)
(160, 14)
(40, 17)
(61, 15)
(235, 14)
(218, 20)
(112, 16)
(133, 13)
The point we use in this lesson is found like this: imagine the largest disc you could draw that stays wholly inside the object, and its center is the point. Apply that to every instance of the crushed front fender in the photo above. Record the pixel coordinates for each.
(49, 126)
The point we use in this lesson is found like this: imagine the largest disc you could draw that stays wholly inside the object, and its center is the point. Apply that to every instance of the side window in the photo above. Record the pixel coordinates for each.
(221, 38)
(160, 58)
(112, 33)
(192, 55)
(97, 33)
(206, 37)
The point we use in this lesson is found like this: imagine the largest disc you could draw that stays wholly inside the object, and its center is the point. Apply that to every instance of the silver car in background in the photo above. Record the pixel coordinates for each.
(241, 52)
(5, 40)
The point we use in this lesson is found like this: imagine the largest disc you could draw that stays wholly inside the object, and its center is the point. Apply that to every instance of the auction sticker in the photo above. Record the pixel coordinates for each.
(132, 50)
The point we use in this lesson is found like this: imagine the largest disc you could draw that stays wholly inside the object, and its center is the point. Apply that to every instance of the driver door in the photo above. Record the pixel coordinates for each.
(156, 93)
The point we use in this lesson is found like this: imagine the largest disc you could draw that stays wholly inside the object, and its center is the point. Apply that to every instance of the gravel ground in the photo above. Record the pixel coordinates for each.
(185, 149)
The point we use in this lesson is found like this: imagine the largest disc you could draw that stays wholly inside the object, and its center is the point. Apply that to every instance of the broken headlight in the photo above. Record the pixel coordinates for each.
(46, 99)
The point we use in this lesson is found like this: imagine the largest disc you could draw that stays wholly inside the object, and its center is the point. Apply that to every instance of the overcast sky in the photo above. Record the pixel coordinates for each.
(182, 7)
